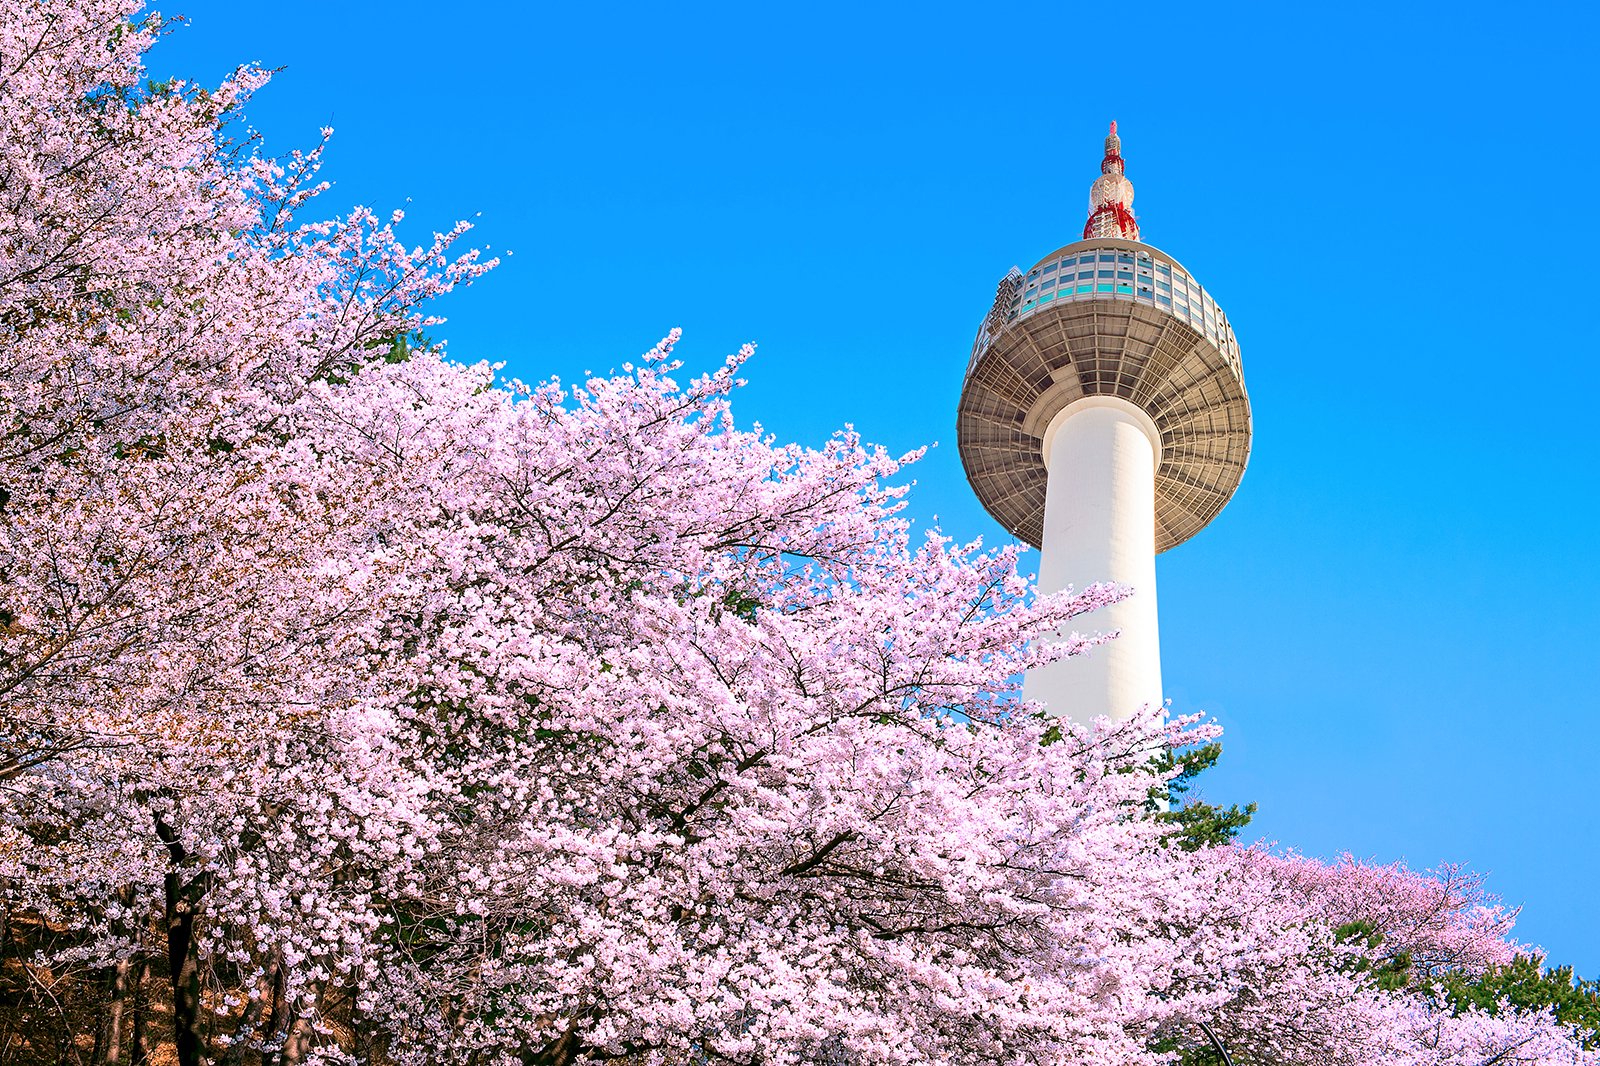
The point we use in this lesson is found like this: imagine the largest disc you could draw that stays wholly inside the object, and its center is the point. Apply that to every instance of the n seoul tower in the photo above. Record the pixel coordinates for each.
(1104, 419)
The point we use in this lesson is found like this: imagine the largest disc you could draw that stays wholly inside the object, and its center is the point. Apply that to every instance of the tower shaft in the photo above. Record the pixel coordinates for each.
(1101, 454)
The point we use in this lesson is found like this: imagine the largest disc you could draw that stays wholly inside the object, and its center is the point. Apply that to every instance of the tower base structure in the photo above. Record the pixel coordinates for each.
(1102, 454)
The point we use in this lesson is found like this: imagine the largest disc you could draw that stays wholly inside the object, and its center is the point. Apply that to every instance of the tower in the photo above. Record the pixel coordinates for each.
(1103, 420)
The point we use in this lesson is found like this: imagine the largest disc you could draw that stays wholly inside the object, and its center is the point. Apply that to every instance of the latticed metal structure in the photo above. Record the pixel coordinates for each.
(1106, 316)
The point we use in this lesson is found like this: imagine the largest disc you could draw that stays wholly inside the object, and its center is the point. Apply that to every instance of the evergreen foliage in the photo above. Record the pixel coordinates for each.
(1196, 824)
(1525, 983)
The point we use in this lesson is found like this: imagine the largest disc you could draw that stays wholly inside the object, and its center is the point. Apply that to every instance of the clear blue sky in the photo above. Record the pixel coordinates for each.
(1394, 619)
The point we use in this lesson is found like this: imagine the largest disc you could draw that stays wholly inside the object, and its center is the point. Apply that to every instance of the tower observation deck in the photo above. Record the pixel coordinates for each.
(1104, 419)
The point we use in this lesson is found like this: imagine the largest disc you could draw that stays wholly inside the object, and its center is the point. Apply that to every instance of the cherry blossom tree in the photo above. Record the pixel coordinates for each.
(175, 622)
(360, 706)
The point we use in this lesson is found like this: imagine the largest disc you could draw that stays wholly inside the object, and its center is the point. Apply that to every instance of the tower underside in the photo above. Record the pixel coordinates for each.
(1170, 353)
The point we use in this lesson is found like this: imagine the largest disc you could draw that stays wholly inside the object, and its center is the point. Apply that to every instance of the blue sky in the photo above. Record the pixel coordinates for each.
(1393, 619)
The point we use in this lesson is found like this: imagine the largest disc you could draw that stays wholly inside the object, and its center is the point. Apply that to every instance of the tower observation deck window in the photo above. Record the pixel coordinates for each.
(1120, 274)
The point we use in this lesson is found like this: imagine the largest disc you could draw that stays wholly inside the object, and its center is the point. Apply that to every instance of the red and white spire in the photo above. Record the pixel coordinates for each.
(1111, 197)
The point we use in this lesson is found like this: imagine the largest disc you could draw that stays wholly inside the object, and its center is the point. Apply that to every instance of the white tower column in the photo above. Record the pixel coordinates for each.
(1101, 454)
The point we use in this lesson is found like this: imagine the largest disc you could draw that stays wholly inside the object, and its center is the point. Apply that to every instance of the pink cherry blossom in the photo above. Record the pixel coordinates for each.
(375, 709)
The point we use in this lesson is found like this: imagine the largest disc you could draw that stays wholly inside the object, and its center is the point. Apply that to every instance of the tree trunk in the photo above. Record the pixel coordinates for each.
(558, 1052)
(262, 1002)
(108, 1044)
(295, 1047)
(277, 1019)
(182, 957)
(138, 1053)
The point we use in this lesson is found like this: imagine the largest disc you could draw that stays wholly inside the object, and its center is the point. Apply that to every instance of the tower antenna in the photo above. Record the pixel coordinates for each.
(1111, 196)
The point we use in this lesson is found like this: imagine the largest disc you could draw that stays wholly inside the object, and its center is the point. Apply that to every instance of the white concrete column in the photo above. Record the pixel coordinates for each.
(1099, 525)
